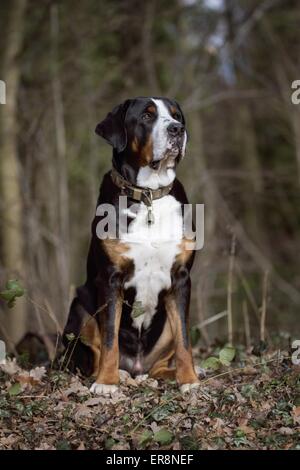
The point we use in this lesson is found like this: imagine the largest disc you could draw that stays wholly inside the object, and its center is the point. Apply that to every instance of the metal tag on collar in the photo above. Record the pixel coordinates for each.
(150, 216)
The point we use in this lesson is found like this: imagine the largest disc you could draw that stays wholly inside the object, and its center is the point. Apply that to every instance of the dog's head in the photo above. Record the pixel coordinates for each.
(145, 133)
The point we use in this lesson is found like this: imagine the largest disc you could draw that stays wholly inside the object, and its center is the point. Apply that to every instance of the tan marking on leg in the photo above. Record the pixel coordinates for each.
(109, 358)
(90, 335)
(185, 372)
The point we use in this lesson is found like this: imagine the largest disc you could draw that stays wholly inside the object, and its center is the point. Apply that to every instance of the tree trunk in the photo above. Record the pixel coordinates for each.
(11, 224)
(61, 166)
(203, 194)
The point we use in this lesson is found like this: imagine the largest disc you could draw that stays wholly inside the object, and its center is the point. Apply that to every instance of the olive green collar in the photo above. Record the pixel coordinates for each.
(146, 195)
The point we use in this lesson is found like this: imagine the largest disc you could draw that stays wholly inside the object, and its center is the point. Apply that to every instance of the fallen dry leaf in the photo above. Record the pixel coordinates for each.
(10, 367)
(82, 411)
(45, 446)
(243, 421)
(285, 431)
(249, 370)
(77, 388)
(94, 401)
(247, 430)
(296, 414)
(217, 423)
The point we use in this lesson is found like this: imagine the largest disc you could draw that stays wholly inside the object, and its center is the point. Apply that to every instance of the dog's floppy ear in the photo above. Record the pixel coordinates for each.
(112, 128)
(186, 134)
(183, 118)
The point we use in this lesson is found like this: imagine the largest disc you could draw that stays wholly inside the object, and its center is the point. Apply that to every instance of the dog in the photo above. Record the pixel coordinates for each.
(132, 313)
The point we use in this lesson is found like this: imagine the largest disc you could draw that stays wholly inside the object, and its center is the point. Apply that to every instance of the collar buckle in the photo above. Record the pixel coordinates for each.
(148, 196)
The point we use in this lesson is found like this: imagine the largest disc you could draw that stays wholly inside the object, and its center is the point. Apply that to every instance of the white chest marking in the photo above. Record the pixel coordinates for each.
(153, 250)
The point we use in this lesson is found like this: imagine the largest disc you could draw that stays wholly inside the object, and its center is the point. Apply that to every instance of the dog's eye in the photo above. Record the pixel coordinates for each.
(177, 116)
(146, 116)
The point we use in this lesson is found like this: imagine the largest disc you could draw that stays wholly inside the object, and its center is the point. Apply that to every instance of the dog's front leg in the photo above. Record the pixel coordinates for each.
(177, 307)
(108, 318)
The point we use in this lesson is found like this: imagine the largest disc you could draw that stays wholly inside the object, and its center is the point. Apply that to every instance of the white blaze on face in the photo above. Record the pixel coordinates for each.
(147, 176)
(161, 139)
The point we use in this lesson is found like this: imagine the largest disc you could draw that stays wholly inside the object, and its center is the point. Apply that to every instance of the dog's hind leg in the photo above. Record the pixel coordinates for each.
(91, 337)
(162, 369)
(81, 338)
(108, 319)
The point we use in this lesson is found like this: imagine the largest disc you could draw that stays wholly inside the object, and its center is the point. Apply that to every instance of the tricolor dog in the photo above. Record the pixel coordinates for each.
(132, 313)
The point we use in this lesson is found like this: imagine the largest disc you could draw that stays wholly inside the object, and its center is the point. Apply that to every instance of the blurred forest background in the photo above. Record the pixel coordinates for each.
(230, 64)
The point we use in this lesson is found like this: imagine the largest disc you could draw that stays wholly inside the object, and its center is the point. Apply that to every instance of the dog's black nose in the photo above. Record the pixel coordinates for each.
(175, 128)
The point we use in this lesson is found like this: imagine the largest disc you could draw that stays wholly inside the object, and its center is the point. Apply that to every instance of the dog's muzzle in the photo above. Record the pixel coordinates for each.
(175, 129)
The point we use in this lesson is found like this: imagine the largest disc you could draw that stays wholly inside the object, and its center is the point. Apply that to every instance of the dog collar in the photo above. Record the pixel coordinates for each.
(145, 195)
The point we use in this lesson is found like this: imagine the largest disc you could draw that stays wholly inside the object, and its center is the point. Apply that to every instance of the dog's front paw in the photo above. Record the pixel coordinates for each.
(103, 389)
(141, 378)
(184, 388)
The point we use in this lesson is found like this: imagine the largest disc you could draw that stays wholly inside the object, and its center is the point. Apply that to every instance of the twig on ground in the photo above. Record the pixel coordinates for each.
(212, 319)
(229, 290)
(247, 325)
(264, 307)
(48, 311)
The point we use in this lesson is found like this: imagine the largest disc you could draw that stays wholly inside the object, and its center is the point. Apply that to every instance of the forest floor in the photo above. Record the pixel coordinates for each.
(253, 403)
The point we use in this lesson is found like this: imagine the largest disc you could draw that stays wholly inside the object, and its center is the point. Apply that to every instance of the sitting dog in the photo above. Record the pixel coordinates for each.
(132, 313)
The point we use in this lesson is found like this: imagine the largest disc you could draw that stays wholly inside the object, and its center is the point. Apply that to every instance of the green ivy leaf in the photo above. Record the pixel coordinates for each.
(13, 289)
(146, 437)
(163, 437)
(226, 355)
(15, 389)
(211, 363)
(137, 309)
(63, 445)
(189, 443)
(70, 336)
(109, 443)
(84, 340)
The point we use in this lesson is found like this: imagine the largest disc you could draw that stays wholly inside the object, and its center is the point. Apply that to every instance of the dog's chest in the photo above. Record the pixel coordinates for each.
(153, 250)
